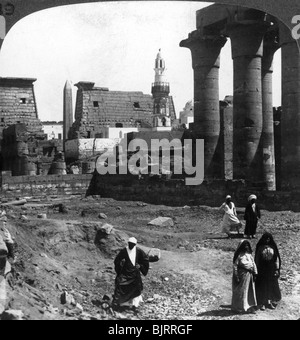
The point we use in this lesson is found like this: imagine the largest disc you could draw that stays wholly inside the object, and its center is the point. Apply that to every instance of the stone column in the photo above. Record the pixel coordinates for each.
(271, 45)
(206, 63)
(247, 50)
(290, 119)
(1, 163)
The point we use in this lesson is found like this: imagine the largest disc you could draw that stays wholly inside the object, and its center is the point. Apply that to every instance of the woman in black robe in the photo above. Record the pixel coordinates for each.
(129, 264)
(252, 215)
(268, 264)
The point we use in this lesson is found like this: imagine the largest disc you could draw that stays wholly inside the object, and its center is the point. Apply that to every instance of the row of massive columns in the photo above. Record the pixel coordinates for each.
(254, 43)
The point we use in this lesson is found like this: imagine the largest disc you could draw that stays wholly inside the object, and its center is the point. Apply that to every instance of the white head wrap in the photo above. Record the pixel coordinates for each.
(252, 197)
(132, 240)
(228, 196)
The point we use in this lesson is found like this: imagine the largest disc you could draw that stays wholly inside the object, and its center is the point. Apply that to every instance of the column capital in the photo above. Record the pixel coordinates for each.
(271, 45)
(205, 48)
(197, 37)
(271, 41)
(247, 37)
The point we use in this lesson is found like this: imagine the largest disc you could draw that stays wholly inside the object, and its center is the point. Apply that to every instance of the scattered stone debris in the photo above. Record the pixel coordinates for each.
(183, 244)
(16, 203)
(103, 216)
(154, 255)
(106, 229)
(162, 222)
(67, 299)
(142, 205)
(58, 286)
(3, 219)
(24, 218)
(62, 208)
(78, 306)
(109, 240)
(72, 259)
(12, 315)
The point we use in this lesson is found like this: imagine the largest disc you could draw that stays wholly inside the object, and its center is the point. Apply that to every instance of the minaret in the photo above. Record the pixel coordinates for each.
(68, 110)
(160, 92)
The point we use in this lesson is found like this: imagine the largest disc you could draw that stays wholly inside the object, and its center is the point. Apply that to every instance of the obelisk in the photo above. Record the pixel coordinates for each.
(68, 110)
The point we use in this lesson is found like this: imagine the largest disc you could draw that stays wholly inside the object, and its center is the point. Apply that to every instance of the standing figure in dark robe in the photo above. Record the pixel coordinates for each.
(268, 264)
(129, 264)
(252, 215)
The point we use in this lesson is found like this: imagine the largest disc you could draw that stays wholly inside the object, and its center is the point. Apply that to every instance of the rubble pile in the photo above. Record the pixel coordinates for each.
(64, 266)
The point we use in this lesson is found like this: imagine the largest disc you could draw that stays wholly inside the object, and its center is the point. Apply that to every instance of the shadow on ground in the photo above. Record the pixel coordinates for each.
(233, 236)
(224, 312)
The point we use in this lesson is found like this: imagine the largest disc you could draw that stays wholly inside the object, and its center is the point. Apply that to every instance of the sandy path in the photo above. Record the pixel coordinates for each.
(209, 269)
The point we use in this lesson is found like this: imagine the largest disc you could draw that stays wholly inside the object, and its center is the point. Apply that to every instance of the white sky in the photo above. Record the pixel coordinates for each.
(113, 45)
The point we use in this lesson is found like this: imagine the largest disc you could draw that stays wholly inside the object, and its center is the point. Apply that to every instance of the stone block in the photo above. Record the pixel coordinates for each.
(67, 298)
(162, 222)
(154, 255)
(106, 229)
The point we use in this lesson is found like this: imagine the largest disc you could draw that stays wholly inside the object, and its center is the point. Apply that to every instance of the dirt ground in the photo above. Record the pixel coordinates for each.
(192, 280)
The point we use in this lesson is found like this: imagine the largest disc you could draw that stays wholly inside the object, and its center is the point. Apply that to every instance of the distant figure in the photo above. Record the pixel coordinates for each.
(230, 219)
(244, 273)
(9, 242)
(252, 215)
(268, 264)
(129, 264)
(6, 277)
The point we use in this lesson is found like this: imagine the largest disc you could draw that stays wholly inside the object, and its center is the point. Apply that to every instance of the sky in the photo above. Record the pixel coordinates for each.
(113, 45)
